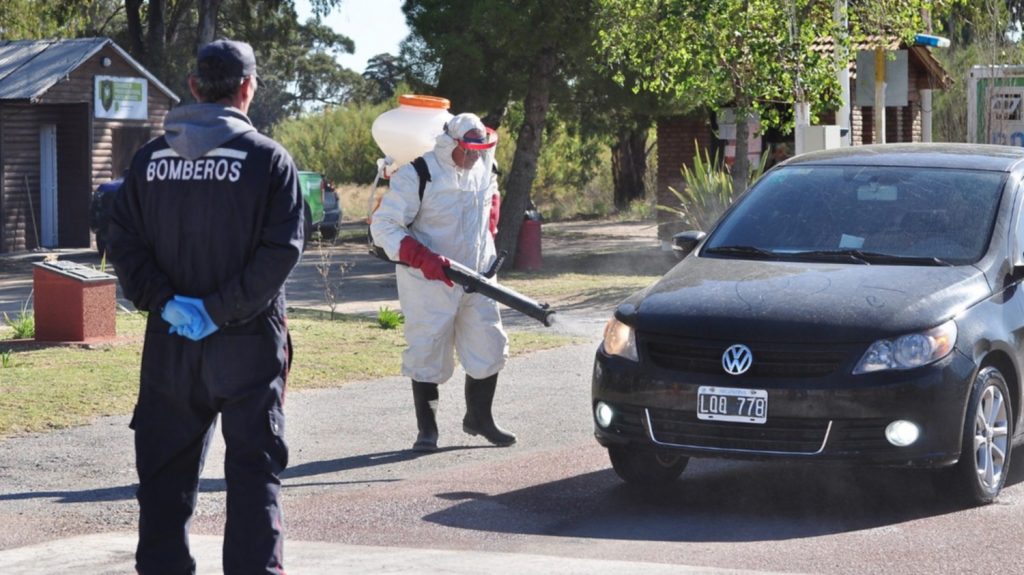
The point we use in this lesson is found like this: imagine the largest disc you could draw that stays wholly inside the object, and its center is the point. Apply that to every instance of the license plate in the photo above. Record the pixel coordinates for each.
(732, 404)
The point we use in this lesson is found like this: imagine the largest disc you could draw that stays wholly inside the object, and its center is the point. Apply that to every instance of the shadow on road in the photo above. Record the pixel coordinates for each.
(714, 501)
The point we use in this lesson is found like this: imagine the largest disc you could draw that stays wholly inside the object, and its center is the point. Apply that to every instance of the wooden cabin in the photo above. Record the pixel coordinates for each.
(72, 114)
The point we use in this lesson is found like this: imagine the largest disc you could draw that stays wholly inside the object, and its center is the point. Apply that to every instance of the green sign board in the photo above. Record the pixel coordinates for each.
(119, 98)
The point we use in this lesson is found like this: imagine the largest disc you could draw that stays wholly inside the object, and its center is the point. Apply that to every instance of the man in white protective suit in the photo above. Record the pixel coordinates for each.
(455, 219)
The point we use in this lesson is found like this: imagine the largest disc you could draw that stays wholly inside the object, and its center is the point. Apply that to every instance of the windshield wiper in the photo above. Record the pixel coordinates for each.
(743, 251)
(869, 258)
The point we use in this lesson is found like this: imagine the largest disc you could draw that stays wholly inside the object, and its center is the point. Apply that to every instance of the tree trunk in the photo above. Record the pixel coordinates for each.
(207, 31)
(741, 164)
(524, 163)
(156, 38)
(136, 44)
(629, 166)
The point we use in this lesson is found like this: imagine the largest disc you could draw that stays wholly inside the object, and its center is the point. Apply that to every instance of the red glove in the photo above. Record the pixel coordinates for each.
(417, 255)
(495, 214)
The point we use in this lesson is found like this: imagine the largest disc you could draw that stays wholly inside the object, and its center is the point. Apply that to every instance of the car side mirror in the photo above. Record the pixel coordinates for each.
(684, 242)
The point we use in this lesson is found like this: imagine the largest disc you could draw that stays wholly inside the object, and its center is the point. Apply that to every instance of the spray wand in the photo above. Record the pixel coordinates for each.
(472, 281)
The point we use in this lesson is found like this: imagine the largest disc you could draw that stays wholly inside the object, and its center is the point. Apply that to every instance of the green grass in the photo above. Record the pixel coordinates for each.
(57, 387)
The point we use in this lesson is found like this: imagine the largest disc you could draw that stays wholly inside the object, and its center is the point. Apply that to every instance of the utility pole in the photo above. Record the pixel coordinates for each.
(879, 96)
(843, 74)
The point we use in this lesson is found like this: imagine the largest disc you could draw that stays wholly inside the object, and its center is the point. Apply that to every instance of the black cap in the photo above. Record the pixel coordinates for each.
(222, 59)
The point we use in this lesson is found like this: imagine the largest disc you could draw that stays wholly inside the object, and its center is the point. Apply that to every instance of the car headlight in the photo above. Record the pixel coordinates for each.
(619, 340)
(909, 351)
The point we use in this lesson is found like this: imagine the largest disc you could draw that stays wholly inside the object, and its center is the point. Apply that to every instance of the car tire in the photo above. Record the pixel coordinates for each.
(101, 243)
(646, 467)
(980, 474)
(328, 232)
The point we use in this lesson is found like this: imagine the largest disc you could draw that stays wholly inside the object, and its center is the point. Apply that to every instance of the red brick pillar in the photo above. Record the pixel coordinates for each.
(678, 138)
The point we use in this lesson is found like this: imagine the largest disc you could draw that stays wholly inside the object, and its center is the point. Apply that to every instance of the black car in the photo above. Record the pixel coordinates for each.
(100, 206)
(860, 305)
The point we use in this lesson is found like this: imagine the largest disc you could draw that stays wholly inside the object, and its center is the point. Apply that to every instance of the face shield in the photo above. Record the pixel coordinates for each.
(476, 147)
(466, 143)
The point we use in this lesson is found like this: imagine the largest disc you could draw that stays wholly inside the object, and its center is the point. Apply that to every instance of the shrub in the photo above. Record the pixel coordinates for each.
(707, 190)
(388, 318)
(24, 325)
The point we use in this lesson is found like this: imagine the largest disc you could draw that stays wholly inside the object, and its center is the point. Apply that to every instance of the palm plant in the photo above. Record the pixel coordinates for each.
(707, 190)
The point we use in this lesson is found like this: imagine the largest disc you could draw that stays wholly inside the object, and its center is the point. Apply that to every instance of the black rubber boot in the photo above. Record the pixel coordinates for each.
(425, 398)
(478, 420)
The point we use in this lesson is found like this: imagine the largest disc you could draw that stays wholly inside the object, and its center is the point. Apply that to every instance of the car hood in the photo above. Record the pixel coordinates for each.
(790, 301)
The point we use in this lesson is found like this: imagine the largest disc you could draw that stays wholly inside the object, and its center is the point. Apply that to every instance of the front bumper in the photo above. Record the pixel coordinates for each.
(840, 417)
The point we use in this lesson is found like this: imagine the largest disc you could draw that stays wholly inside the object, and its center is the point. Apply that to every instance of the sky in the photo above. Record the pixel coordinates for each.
(376, 26)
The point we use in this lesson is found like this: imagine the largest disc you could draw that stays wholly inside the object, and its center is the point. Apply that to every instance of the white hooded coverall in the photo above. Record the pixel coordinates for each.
(452, 221)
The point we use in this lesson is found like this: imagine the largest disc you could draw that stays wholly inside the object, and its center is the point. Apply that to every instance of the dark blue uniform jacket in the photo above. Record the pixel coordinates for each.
(218, 220)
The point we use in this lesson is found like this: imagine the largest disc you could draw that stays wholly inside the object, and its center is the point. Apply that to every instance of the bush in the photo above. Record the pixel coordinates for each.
(24, 325)
(707, 190)
(336, 143)
(388, 318)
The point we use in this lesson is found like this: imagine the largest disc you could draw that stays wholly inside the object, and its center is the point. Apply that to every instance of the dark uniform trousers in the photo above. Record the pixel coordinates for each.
(239, 372)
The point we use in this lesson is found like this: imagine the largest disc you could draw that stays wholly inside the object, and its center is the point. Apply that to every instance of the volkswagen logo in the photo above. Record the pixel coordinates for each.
(737, 359)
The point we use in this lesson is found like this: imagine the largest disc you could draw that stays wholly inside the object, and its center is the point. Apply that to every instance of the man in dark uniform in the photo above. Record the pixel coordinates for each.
(203, 235)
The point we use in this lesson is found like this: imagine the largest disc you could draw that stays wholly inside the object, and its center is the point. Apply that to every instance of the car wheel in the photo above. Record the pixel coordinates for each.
(101, 243)
(985, 454)
(328, 232)
(646, 467)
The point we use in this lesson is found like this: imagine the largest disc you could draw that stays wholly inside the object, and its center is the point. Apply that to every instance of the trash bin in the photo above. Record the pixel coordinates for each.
(528, 253)
(73, 302)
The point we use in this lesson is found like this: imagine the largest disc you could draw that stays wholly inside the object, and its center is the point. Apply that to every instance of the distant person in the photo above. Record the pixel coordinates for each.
(457, 218)
(204, 234)
(780, 153)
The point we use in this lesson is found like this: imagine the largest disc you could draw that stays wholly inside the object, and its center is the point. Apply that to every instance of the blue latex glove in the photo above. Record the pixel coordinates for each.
(181, 316)
(204, 327)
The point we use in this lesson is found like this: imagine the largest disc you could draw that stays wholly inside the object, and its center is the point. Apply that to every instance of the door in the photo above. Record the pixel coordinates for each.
(48, 185)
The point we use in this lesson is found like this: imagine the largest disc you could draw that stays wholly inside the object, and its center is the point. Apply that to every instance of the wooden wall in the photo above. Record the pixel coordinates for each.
(85, 151)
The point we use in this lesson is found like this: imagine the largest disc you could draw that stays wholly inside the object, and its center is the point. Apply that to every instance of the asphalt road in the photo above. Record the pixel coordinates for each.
(358, 501)
(353, 487)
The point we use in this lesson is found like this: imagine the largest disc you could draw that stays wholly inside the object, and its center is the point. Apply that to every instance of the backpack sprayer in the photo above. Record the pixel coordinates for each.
(404, 134)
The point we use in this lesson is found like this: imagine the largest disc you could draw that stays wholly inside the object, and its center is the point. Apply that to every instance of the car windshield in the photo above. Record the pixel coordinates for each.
(863, 214)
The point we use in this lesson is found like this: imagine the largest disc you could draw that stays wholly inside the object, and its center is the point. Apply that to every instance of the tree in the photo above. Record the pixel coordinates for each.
(625, 120)
(297, 61)
(750, 54)
(35, 19)
(384, 72)
(485, 54)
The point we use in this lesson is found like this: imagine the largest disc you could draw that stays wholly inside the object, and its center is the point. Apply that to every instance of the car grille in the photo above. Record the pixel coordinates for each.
(770, 360)
(794, 436)
(781, 435)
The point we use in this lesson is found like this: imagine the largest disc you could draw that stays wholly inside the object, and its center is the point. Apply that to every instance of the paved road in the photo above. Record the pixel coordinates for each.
(547, 505)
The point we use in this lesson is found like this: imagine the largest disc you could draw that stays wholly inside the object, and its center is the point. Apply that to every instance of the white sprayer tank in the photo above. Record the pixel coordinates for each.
(408, 131)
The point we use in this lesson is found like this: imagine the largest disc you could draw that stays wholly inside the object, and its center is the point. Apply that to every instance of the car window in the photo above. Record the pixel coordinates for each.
(909, 212)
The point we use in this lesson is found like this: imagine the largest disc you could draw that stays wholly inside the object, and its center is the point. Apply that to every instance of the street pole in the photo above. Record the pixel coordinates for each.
(843, 75)
(879, 96)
